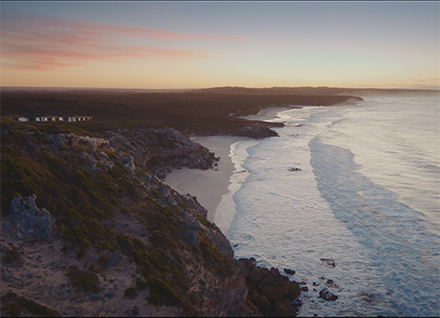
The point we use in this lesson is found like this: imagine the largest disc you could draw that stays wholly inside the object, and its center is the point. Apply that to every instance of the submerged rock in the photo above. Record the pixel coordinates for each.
(326, 295)
(328, 261)
(289, 271)
(259, 130)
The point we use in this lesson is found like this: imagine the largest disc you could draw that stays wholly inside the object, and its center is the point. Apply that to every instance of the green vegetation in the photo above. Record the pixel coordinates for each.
(189, 112)
(80, 199)
(12, 256)
(161, 293)
(130, 293)
(16, 306)
(84, 200)
(135, 311)
(79, 278)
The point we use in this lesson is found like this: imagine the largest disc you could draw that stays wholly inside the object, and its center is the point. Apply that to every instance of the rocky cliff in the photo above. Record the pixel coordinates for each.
(160, 150)
(88, 229)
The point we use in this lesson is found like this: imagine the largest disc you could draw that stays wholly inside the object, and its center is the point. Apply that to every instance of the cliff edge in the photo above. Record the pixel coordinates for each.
(88, 229)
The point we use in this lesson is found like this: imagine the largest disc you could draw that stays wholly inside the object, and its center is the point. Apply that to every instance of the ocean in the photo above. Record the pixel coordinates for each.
(348, 197)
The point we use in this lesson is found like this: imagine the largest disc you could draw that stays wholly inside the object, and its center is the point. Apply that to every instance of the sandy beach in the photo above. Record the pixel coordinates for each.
(208, 186)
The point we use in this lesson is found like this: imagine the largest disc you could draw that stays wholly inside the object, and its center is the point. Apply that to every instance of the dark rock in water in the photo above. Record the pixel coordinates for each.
(367, 297)
(274, 286)
(331, 283)
(271, 292)
(289, 271)
(328, 261)
(326, 295)
(296, 303)
(259, 130)
(31, 220)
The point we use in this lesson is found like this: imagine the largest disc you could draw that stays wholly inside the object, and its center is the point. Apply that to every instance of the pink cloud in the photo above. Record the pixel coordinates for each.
(50, 43)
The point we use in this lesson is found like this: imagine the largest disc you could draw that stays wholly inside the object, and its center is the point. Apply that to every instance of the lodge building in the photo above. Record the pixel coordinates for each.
(46, 118)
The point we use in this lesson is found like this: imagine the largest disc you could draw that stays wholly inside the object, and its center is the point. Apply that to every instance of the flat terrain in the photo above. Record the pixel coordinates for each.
(196, 112)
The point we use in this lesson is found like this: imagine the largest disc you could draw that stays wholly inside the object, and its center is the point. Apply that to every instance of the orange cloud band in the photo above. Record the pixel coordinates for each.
(51, 43)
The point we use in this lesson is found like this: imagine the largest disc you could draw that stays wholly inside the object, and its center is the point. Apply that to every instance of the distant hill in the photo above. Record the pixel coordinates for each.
(307, 90)
(72, 89)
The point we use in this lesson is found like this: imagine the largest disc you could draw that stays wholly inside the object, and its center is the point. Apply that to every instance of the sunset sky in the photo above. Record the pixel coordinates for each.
(167, 44)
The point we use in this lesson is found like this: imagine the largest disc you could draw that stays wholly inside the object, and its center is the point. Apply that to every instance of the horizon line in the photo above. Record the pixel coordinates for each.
(430, 88)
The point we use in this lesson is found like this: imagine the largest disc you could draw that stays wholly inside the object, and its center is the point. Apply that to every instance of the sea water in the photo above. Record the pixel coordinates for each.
(352, 186)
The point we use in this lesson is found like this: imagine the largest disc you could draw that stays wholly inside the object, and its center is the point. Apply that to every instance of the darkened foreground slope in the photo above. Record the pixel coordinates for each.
(88, 229)
(186, 112)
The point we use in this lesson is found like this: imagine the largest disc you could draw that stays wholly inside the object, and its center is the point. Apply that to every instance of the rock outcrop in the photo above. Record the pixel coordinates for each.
(326, 295)
(270, 291)
(328, 261)
(30, 220)
(257, 131)
(138, 247)
(72, 139)
(158, 150)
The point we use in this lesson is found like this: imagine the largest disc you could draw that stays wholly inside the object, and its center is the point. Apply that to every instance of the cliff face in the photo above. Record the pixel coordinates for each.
(160, 150)
(122, 243)
(125, 243)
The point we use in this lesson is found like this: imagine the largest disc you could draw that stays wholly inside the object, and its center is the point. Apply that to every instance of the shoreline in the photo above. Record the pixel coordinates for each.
(208, 186)
(268, 114)
(212, 185)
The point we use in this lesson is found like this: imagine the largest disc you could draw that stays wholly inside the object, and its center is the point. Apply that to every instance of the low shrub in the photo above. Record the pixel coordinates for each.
(79, 278)
(12, 256)
(161, 293)
(130, 293)
(14, 305)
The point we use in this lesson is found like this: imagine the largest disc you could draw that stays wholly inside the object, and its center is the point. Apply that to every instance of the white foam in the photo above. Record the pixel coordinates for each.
(226, 209)
(386, 253)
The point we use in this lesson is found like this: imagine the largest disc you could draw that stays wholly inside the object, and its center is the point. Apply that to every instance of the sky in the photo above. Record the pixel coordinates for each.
(200, 44)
